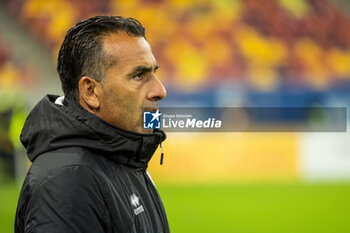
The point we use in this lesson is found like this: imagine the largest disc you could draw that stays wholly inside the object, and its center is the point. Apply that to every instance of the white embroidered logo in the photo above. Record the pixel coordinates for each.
(135, 201)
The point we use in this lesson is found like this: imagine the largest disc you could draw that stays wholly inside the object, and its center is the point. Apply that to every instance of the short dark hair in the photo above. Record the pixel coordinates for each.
(82, 54)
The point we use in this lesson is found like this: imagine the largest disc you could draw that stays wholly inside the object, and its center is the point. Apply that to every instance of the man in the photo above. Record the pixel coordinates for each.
(88, 149)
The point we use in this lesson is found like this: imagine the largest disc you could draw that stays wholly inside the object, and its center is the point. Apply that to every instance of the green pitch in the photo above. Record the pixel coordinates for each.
(262, 208)
(8, 201)
(293, 208)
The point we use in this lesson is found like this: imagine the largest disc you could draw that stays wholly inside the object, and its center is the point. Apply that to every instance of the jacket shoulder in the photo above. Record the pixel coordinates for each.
(62, 190)
(49, 162)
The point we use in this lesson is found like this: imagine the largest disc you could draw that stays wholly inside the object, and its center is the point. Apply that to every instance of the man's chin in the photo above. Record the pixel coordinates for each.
(145, 131)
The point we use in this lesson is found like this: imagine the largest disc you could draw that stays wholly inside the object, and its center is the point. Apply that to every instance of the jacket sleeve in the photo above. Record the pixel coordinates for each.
(71, 200)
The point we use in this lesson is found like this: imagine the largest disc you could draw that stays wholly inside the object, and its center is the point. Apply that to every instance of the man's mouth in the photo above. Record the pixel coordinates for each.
(151, 108)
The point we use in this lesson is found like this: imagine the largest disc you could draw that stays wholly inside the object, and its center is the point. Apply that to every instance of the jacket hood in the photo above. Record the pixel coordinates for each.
(51, 126)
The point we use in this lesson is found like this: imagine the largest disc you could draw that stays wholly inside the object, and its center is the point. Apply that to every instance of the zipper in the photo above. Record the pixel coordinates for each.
(156, 200)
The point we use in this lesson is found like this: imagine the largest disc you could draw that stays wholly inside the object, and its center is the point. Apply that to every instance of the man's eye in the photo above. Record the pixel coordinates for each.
(139, 76)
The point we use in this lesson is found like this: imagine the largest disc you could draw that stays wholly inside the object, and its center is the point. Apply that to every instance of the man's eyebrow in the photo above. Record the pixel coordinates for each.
(139, 69)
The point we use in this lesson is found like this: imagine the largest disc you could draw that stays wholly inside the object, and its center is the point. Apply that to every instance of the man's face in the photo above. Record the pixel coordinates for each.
(130, 84)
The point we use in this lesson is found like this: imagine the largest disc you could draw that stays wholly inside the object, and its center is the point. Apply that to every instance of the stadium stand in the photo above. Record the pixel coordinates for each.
(15, 77)
(261, 44)
(14, 73)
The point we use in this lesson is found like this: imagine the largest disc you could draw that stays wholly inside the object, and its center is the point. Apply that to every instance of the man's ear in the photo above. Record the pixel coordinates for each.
(89, 93)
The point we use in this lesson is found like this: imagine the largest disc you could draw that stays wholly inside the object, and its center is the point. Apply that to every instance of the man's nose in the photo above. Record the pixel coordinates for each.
(157, 90)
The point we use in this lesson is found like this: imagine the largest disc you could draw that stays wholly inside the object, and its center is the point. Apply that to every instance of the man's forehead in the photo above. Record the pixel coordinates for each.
(124, 48)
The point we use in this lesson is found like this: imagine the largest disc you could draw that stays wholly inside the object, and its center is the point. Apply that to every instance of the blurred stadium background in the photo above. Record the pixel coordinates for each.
(212, 53)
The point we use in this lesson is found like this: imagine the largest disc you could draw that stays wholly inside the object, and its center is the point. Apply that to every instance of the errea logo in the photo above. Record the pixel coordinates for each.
(135, 201)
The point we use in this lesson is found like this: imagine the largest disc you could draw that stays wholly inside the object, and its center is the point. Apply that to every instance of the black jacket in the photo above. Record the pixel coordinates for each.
(86, 175)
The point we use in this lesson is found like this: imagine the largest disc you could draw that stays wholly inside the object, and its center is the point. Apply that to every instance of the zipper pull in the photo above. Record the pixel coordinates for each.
(162, 154)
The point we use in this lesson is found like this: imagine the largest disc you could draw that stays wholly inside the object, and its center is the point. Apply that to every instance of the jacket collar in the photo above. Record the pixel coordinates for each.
(52, 126)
